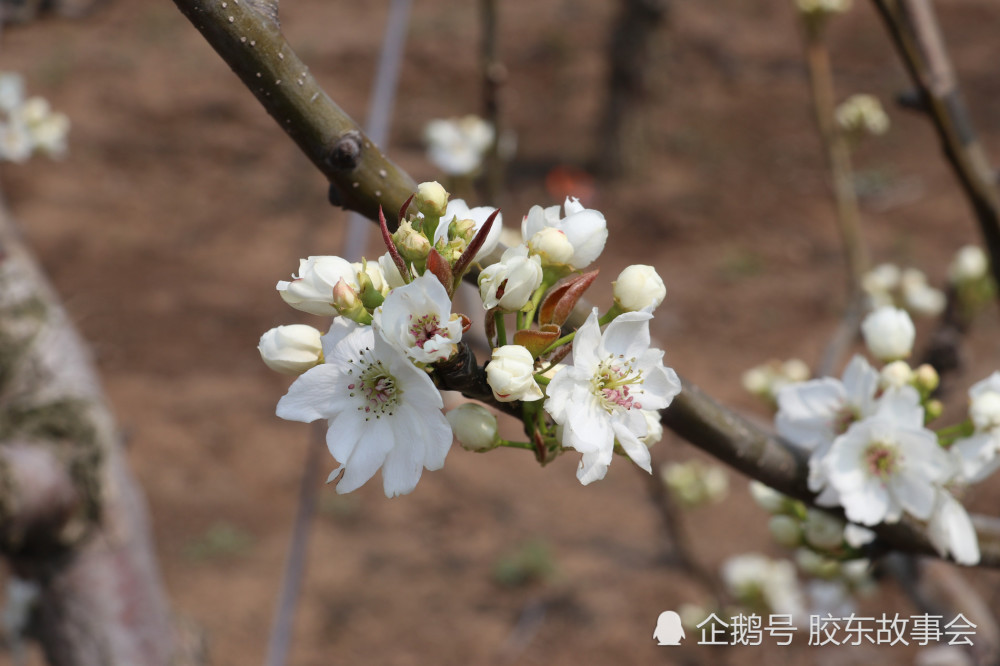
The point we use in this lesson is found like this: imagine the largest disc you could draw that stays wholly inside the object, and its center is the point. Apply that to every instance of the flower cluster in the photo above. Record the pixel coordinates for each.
(28, 126)
(862, 114)
(767, 379)
(887, 284)
(457, 145)
(376, 376)
(871, 451)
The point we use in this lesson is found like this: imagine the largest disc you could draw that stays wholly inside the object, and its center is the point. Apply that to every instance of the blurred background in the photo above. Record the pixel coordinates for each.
(180, 204)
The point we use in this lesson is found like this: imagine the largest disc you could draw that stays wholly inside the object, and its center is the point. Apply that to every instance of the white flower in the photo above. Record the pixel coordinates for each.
(654, 427)
(823, 6)
(751, 577)
(384, 412)
(416, 319)
(862, 113)
(457, 145)
(474, 426)
(813, 413)
(601, 397)
(970, 264)
(585, 228)
(887, 464)
(639, 288)
(291, 350)
(857, 536)
(312, 290)
(951, 530)
(515, 278)
(978, 455)
(510, 374)
(888, 333)
(11, 91)
(15, 142)
(458, 210)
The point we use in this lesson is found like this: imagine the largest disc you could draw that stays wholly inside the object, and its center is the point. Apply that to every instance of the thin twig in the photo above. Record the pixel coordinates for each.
(494, 74)
(920, 45)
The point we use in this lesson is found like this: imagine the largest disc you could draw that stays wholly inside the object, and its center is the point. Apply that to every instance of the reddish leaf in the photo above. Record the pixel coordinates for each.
(402, 210)
(537, 341)
(474, 245)
(559, 302)
(393, 252)
(437, 265)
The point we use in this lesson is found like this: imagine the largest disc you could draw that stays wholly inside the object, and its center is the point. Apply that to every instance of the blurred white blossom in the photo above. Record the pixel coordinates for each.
(457, 145)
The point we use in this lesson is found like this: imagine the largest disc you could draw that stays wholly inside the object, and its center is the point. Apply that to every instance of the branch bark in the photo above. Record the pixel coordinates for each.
(314, 121)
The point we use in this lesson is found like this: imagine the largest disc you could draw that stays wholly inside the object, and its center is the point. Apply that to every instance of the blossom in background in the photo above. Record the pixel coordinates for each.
(291, 350)
(978, 455)
(384, 412)
(584, 228)
(862, 114)
(416, 319)
(823, 6)
(457, 145)
(601, 397)
(970, 264)
(764, 584)
(29, 125)
(695, 483)
(767, 379)
(951, 530)
(639, 288)
(509, 283)
(510, 374)
(889, 333)
(918, 296)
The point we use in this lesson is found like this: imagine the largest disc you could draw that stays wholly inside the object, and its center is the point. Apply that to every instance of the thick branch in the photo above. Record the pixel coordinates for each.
(248, 37)
(693, 415)
(918, 40)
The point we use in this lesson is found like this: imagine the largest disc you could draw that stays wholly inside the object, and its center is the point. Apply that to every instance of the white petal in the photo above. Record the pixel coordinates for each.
(588, 232)
(636, 450)
(591, 468)
(868, 505)
(404, 464)
(913, 493)
(585, 344)
(951, 530)
(368, 455)
(316, 394)
(344, 433)
(628, 334)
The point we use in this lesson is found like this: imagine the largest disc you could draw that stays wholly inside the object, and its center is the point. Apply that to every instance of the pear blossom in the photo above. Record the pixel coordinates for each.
(862, 113)
(880, 282)
(509, 283)
(510, 374)
(474, 426)
(753, 578)
(291, 350)
(416, 319)
(639, 287)
(918, 296)
(978, 455)
(457, 145)
(889, 333)
(969, 264)
(886, 464)
(585, 229)
(312, 290)
(383, 411)
(601, 397)
(458, 210)
(951, 530)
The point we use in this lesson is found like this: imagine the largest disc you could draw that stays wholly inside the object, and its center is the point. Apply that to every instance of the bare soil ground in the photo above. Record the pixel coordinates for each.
(181, 204)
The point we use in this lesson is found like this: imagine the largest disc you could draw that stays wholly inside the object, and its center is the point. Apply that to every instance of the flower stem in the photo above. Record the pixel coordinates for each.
(501, 329)
(516, 445)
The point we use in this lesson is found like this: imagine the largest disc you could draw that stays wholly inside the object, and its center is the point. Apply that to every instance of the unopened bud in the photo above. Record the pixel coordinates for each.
(785, 530)
(822, 530)
(431, 199)
(889, 333)
(464, 229)
(932, 409)
(412, 245)
(291, 350)
(926, 378)
(347, 303)
(474, 426)
(552, 247)
(639, 288)
(896, 375)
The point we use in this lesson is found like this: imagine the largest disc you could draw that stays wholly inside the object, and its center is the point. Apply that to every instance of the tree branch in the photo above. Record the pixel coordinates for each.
(918, 41)
(314, 121)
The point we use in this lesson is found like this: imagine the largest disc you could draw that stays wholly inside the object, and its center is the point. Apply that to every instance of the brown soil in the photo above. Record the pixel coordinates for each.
(181, 204)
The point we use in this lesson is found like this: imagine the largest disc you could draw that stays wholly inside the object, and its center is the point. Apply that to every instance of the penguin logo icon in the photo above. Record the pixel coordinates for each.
(668, 629)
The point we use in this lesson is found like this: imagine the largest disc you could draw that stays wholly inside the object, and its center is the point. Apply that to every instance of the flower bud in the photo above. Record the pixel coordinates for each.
(985, 411)
(795, 370)
(757, 381)
(785, 530)
(969, 265)
(639, 288)
(896, 375)
(552, 246)
(474, 426)
(932, 410)
(822, 530)
(347, 303)
(465, 229)
(889, 333)
(431, 199)
(768, 498)
(412, 244)
(509, 283)
(926, 378)
(291, 350)
(510, 374)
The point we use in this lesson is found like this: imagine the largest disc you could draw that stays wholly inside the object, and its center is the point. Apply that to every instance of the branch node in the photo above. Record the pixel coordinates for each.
(346, 153)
